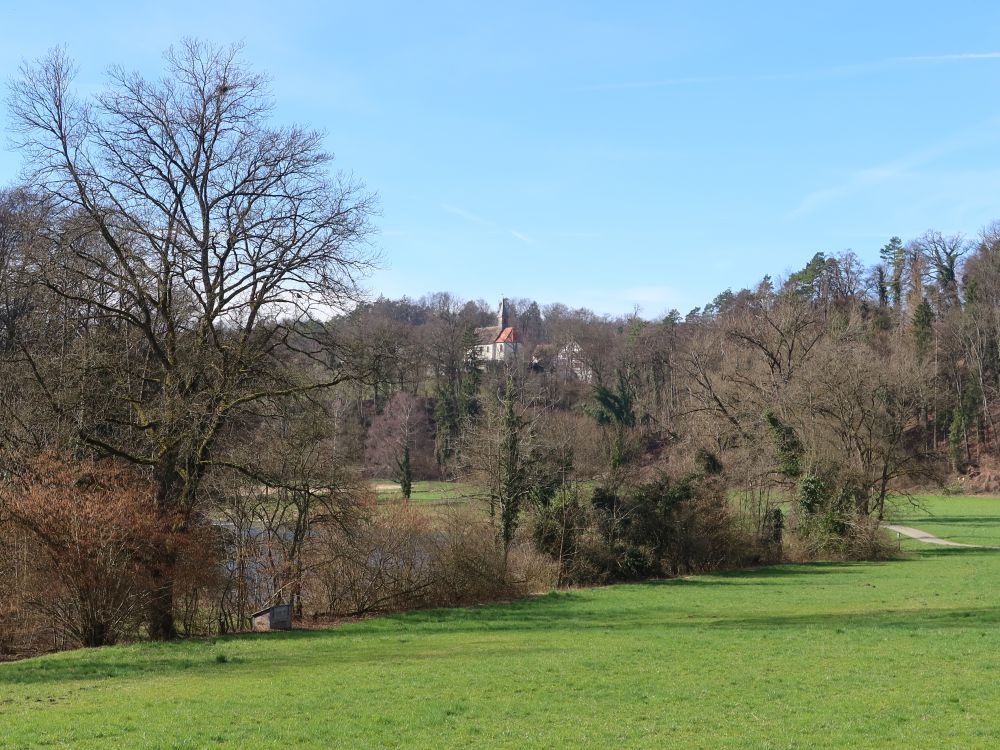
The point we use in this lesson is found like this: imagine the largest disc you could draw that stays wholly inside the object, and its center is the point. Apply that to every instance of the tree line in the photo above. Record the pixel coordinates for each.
(197, 394)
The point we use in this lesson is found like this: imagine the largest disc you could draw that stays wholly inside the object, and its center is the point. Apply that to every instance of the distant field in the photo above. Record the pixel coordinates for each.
(970, 520)
(445, 492)
(426, 492)
(902, 654)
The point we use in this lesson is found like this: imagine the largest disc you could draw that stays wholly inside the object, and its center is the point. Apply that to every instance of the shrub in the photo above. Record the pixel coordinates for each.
(829, 522)
(404, 557)
(851, 536)
(773, 525)
(91, 525)
(23, 630)
(201, 583)
(561, 531)
(665, 527)
(378, 564)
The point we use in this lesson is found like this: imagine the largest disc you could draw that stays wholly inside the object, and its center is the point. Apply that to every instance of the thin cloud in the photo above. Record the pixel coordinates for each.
(467, 215)
(476, 219)
(862, 179)
(835, 70)
(956, 57)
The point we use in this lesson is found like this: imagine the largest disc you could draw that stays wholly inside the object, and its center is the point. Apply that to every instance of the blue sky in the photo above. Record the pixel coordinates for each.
(602, 154)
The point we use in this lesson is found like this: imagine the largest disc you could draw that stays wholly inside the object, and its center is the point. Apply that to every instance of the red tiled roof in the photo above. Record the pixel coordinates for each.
(507, 336)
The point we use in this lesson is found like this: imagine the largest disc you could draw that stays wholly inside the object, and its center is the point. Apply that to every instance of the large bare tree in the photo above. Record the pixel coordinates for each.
(202, 244)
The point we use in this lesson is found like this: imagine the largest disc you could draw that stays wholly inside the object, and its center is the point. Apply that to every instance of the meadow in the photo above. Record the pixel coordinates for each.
(965, 519)
(427, 492)
(826, 655)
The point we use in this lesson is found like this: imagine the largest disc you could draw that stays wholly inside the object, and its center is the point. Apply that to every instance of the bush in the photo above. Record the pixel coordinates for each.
(23, 630)
(827, 524)
(403, 557)
(666, 527)
(772, 527)
(850, 536)
(91, 525)
(201, 583)
(565, 531)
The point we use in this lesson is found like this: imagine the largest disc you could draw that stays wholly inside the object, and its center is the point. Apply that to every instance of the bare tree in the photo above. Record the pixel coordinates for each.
(942, 254)
(399, 442)
(853, 409)
(206, 239)
(502, 452)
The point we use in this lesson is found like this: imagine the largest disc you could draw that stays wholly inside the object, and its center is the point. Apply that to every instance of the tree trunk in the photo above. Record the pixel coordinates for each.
(883, 490)
(170, 502)
(160, 615)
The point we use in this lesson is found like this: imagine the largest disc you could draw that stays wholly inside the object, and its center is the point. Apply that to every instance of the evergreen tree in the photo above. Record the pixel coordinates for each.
(446, 421)
(405, 473)
(923, 327)
(614, 411)
(810, 281)
(882, 286)
(893, 256)
(456, 397)
(787, 445)
(514, 485)
(956, 439)
(470, 380)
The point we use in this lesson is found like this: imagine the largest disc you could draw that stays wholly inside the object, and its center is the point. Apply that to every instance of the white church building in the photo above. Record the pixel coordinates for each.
(498, 343)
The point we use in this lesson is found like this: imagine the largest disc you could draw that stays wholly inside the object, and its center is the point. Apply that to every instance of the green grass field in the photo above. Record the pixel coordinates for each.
(829, 655)
(450, 493)
(970, 520)
(426, 492)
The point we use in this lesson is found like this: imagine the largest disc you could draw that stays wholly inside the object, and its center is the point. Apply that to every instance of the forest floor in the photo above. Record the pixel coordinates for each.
(826, 655)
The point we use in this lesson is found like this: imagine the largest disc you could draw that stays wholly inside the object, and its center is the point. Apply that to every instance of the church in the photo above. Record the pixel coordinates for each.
(497, 343)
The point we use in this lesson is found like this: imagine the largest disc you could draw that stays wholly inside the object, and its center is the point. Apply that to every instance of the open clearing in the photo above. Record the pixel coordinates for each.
(899, 654)
(426, 492)
(963, 519)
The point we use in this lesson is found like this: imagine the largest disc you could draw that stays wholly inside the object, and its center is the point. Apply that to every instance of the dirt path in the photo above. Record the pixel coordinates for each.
(923, 536)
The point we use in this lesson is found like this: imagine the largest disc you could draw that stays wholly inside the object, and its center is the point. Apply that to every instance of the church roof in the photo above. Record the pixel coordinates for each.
(496, 335)
(507, 336)
(487, 335)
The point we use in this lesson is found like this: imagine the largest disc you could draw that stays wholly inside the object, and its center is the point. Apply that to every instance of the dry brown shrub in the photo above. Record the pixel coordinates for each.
(862, 538)
(984, 478)
(378, 564)
(200, 581)
(469, 564)
(91, 525)
(405, 557)
(711, 537)
(23, 630)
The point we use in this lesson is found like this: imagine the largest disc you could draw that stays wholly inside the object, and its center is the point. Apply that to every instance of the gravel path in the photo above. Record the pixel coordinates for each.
(923, 536)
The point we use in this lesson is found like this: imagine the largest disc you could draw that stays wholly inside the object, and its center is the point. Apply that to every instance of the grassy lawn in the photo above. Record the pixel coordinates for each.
(970, 520)
(899, 654)
(426, 492)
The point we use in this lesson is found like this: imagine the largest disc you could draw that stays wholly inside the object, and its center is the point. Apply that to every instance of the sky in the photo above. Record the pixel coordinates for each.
(603, 155)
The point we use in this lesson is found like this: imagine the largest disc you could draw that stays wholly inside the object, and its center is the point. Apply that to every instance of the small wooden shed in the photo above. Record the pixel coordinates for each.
(277, 617)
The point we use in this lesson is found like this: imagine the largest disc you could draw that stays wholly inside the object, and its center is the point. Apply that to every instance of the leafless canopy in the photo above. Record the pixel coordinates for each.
(184, 217)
